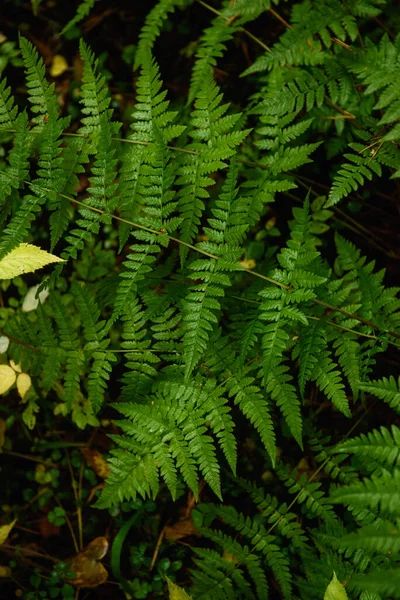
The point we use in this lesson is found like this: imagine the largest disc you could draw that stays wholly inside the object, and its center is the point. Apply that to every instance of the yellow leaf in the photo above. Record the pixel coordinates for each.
(7, 378)
(5, 530)
(176, 592)
(335, 590)
(248, 263)
(5, 572)
(58, 66)
(23, 384)
(25, 258)
(16, 368)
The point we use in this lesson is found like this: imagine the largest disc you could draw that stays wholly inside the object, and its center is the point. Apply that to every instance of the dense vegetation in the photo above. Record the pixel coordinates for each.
(207, 379)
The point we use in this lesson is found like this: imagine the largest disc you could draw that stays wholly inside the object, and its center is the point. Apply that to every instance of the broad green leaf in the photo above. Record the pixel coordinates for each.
(25, 258)
(335, 590)
(176, 592)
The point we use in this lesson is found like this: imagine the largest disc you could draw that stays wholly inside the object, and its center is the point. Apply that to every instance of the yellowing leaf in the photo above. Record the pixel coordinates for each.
(335, 590)
(7, 378)
(248, 263)
(17, 368)
(5, 572)
(23, 384)
(176, 592)
(25, 259)
(58, 66)
(5, 530)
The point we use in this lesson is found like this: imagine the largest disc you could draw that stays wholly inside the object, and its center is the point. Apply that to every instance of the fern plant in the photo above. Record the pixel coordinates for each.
(211, 300)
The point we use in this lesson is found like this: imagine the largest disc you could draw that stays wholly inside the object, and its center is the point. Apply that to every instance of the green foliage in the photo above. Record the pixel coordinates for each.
(210, 303)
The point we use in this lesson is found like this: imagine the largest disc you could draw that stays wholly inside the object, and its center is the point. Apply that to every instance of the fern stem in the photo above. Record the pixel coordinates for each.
(214, 256)
(17, 341)
(246, 31)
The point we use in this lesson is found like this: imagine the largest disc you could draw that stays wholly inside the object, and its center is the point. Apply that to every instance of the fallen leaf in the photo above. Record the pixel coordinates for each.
(5, 530)
(180, 529)
(4, 343)
(96, 461)
(3, 427)
(31, 302)
(47, 529)
(25, 258)
(58, 66)
(24, 383)
(88, 571)
(248, 263)
(7, 378)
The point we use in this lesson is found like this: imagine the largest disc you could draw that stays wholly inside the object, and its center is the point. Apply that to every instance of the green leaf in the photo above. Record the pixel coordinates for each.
(335, 590)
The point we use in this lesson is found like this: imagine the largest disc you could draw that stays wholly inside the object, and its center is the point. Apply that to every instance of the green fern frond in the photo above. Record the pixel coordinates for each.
(262, 543)
(40, 93)
(385, 389)
(382, 446)
(225, 232)
(352, 174)
(8, 111)
(95, 332)
(215, 140)
(150, 31)
(255, 407)
(69, 342)
(95, 99)
(381, 490)
(316, 503)
(83, 10)
(329, 381)
(311, 31)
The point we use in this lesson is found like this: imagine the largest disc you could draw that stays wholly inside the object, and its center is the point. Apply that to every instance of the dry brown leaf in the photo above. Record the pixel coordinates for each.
(89, 571)
(180, 529)
(96, 461)
(3, 427)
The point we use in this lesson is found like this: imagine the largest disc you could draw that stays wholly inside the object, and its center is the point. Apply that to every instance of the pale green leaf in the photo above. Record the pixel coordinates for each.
(335, 590)
(176, 592)
(25, 258)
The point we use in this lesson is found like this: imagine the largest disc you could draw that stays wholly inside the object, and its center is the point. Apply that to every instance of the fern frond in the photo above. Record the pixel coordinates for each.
(385, 389)
(380, 490)
(254, 406)
(225, 232)
(329, 381)
(83, 10)
(69, 342)
(8, 111)
(215, 140)
(382, 446)
(40, 93)
(95, 332)
(316, 503)
(151, 29)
